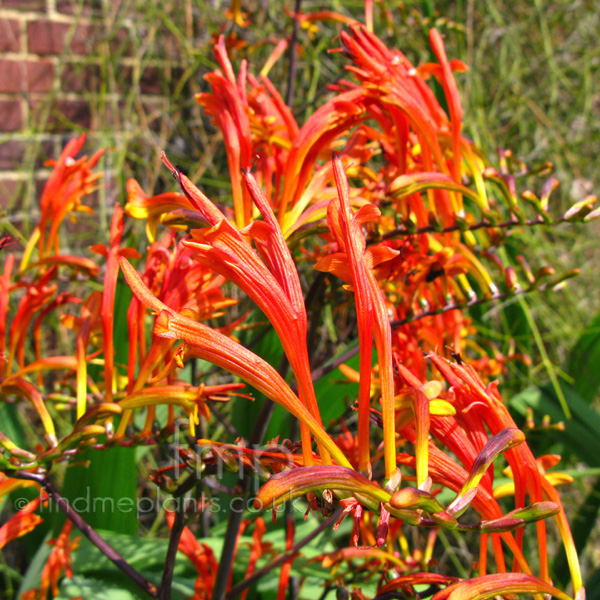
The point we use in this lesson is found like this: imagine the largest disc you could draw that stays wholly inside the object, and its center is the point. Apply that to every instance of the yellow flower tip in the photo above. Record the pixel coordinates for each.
(557, 478)
(350, 373)
(432, 389)
(504, 490)
(179, 357)
(441, 408)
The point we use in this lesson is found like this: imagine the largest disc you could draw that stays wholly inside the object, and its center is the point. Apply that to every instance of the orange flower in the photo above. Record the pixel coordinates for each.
(220, 350)
(153, 209)
(184, 285)
(227, 106)
(59, 561)
(203, 559)
(21, 523)
(71, 179)
(272, 283)
(371, 310)
(112, 254)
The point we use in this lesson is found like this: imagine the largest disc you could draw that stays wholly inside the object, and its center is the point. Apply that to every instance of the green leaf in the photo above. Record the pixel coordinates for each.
(33, 575)
(99, 589)
(116, 586)
(123, 295)
(141, 553)
(592, 586)
(10, 417)
(104, 493)
(584, 354)
(580, 436)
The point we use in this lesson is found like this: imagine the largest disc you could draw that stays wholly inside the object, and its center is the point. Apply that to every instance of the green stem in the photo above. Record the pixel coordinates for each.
(545, 358)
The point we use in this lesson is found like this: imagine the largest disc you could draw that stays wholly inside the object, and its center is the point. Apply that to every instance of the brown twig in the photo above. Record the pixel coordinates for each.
(224, 421)
(342, 358)
(164, 592)
(473, 302)
(404, 231)
(89, 533)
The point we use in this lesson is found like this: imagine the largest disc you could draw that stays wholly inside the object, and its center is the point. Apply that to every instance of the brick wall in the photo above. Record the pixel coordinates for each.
(69, 66)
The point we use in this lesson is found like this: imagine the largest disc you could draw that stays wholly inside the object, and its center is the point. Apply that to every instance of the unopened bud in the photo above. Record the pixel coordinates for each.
(412, 498)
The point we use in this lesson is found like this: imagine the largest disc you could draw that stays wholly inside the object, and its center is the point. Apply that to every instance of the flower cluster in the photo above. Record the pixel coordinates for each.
(379, 189)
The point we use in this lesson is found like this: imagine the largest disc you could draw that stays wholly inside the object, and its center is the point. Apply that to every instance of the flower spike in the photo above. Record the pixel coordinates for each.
(273, 286)
(220, 350)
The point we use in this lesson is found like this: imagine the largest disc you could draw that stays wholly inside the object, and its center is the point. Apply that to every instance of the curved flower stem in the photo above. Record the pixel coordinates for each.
(89, 533)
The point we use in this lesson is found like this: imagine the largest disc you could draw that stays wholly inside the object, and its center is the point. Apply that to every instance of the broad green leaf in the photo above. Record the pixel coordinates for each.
(592, 586)
(112, 588)
(106, 490)
(146, 554)
(579, 365)
(123, 296)
(104, 493)
(10, 417)
(33, 575)
(580, 436)
(335, 391)
(115, 586)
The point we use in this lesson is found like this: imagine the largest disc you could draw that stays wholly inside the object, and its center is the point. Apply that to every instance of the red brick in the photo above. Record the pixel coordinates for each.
(12, 154)
(25, 5)
(150, 81)
(11, 115)
(10, 35)
(10, 189)
(77, 111)
(78, 77)
(63, 115)
(20, 154)
(47, 37)
(85, 39)
(40, 76)
(12, 76)
(25, 76)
